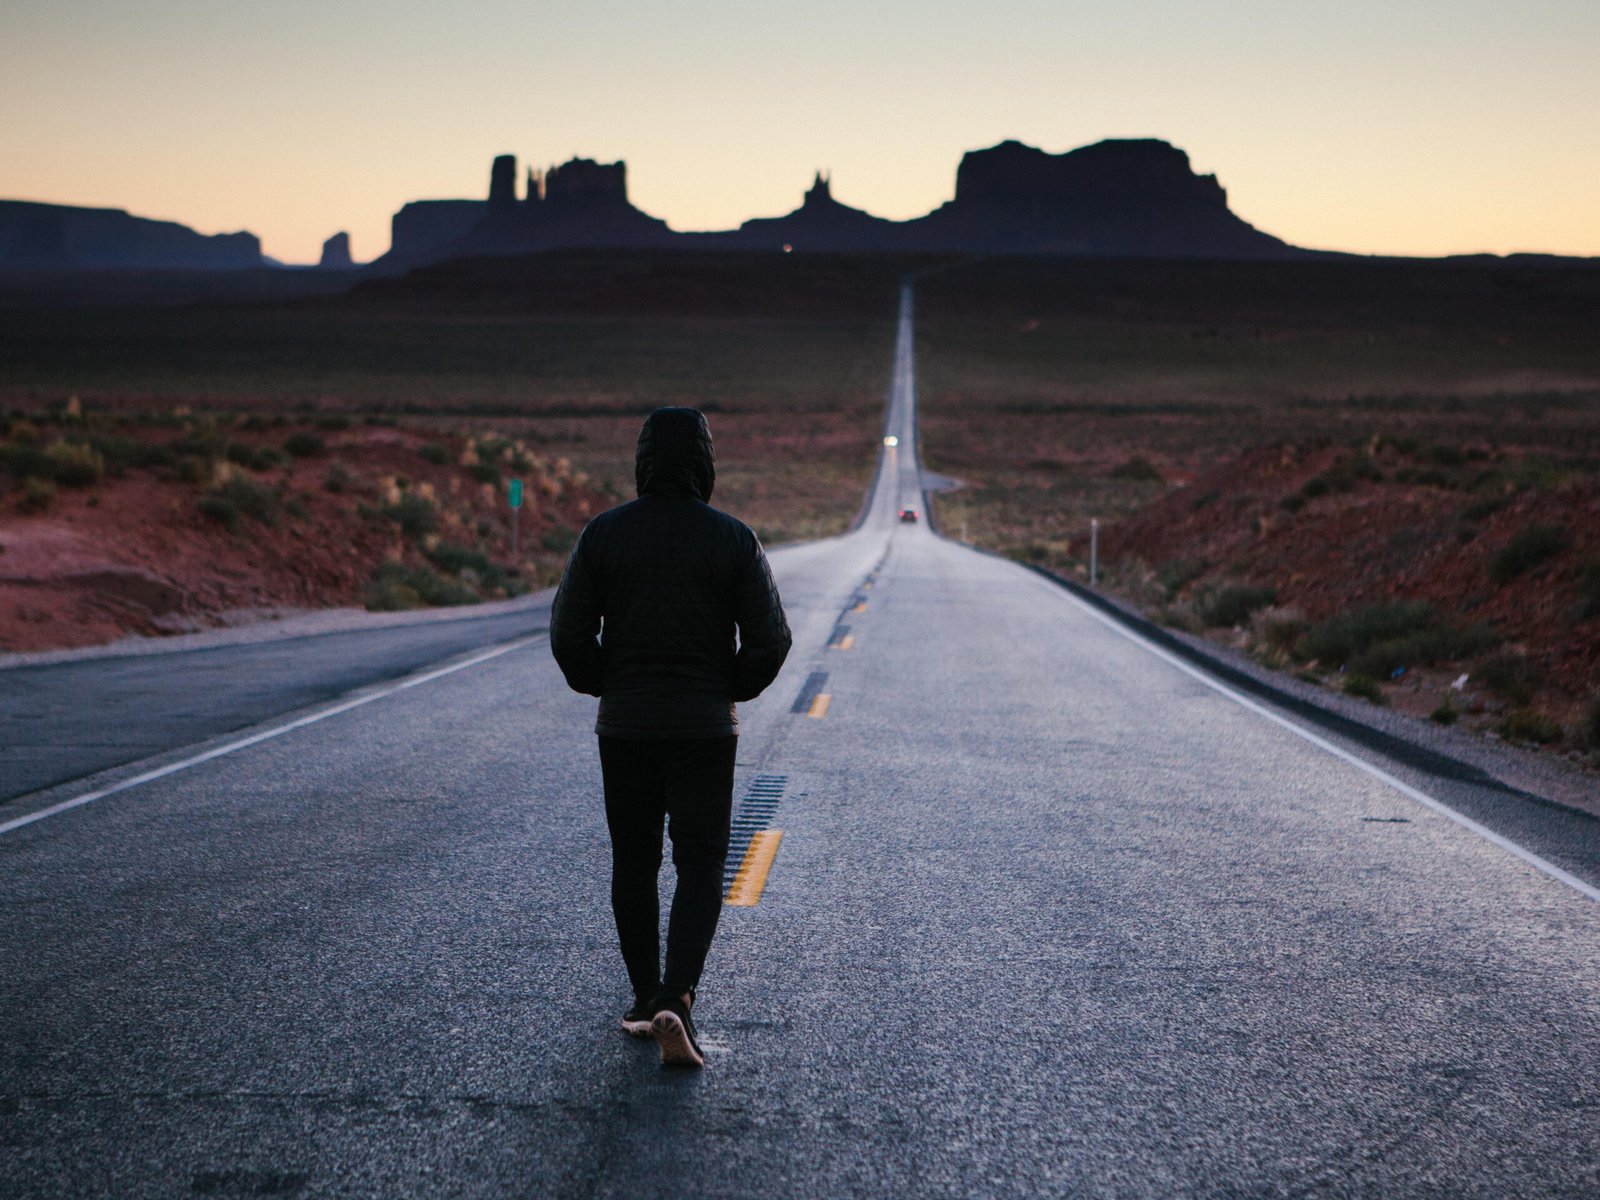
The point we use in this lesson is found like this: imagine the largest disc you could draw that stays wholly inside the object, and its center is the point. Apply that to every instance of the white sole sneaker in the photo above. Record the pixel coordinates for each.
(638, 1029)
(677, 1047)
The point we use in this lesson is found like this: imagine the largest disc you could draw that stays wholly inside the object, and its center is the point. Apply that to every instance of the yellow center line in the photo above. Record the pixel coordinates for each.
(861, 607)
(751, 878)
(844, 643)
(819, 706)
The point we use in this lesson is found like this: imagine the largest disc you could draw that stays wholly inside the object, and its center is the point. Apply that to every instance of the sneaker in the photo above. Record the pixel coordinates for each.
(674, 1033)
(636, 1021)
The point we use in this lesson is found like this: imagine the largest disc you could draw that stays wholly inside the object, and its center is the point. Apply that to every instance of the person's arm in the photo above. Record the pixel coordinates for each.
(764, 638)
(575, 624)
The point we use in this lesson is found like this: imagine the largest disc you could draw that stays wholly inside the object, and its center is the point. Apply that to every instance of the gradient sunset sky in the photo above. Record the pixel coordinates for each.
(1399, 127)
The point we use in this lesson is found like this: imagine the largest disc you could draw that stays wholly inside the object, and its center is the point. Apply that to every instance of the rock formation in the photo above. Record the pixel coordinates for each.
(62, 237)
(1121, 197)
(336, 253)
(1137, 198)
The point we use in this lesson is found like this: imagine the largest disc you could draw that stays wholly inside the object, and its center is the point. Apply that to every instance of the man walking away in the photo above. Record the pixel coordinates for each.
(645, 619)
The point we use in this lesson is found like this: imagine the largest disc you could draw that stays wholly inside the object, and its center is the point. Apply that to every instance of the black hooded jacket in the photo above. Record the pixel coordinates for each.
(646, 611)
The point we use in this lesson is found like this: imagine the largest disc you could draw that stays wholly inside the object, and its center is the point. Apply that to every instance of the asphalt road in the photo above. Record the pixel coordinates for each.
(1050, 916)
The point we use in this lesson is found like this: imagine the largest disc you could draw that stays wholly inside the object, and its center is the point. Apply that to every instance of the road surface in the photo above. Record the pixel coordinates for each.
(1050, 915)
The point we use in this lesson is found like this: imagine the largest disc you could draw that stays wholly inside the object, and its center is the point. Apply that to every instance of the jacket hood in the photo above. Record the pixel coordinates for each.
(675, 457)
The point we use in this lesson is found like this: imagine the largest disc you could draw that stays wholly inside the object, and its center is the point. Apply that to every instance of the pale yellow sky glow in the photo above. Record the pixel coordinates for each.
(1407, 127)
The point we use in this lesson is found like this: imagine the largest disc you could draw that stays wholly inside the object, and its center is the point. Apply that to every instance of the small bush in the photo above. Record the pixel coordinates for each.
(1364, 687)
(334, 423)
(223, 512)
(1534, 545)
(396, 586)
(465, 561)
(76, 465)
(1588, 582)
(1530, 725)
(253, 500)
(1292, 503)
(485, 472)
(339, 480)
(304, 445)
(1425, 647)
(1445, 714)
(1448, 456)
(193, 470)
(1233, 605)
(26, 462)
(1140, 470)
(1176, 574)
(417, 516)
(559, 539)
(1339, 638)
(1279, 628)
(1509, 675)
(435, 453)
(1589, 728)
(1487, 507)
(37, 495)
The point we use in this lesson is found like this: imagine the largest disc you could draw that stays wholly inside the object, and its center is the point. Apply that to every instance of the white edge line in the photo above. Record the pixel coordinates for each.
(264, 735)
(1444, 810)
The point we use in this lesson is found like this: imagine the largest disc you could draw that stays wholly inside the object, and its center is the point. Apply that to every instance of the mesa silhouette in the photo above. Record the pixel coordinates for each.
(1135, 198)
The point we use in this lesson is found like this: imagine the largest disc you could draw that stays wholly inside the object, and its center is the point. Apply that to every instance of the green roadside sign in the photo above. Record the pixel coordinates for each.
(516, 493)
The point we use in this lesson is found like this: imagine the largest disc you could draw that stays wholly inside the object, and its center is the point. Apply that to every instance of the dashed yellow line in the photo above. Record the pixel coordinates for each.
(844, 643)
(861, 606)
(751, 878)
(819, 706)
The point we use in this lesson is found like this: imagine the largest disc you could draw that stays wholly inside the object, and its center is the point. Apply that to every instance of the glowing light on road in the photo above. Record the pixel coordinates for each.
(891, 441)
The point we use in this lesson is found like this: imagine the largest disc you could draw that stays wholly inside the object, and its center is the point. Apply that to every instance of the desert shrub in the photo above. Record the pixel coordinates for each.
(1448, 456)
(474, 564)
(1177, 573)
(558, 539)
(454, 559)
(333, 423)
(23, 431)
(76, 465)
(1278, 629)
(1292, 503)
(416, 515)
(26, 462)
(1423, 647)
(1341, 637)
(1316, 486)
(1364, 687)
(485, 472)
(435, 453)
(1233, 605)
(224, 512)
(1534, 545)
(1589, 726)
(255, 423)
(253, 500)
(1530, 725)
(37, 495)
(494, 448)
(297, 508)
(1487, 507)
(304, 444)
(1445, 714)
(1137, 469)
(1588, 584)
(1510, 675)
(396, 586)
(193, 470)
(338, 480)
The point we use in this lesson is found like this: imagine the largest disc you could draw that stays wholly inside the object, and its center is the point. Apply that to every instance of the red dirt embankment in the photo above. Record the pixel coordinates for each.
(156, 548)
(1488, 539)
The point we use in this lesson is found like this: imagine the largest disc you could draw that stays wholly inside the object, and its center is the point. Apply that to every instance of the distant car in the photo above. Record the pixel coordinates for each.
(909, 514)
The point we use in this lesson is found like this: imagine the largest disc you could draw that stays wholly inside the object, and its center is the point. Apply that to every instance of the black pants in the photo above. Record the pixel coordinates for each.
(688, 782)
